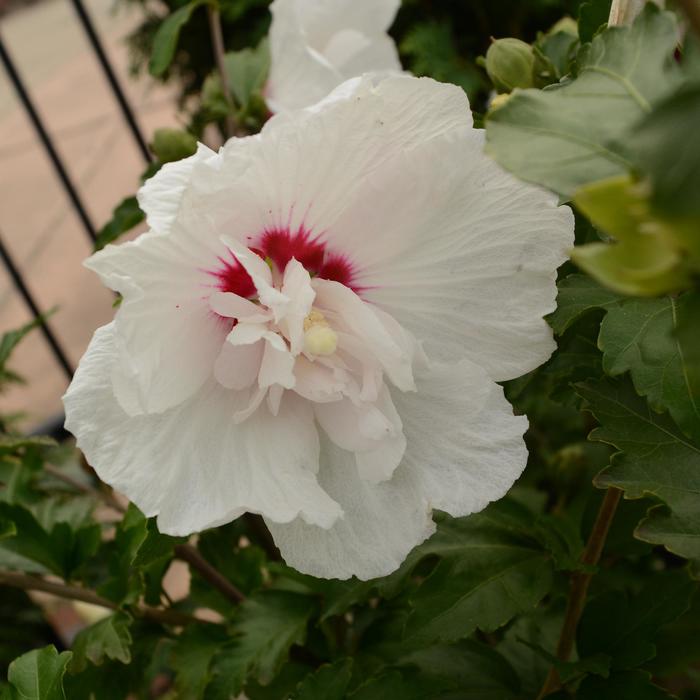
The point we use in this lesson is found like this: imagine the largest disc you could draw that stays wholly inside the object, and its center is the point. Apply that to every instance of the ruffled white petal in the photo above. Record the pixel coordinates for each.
(372, 431)
(167, 338)
(237, 366)
(314, 46)
(381, 523)
(460, 253)
(349, 314)
(161, 194)
(465, 447)
(192, 465)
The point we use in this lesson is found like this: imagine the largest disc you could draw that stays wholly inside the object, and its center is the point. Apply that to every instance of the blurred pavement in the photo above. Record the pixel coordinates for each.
(37, 221)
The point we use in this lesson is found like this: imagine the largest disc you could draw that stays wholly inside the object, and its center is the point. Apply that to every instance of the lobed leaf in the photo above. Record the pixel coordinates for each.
(38, 674)
(564, 137)
(490, 568)
(656, 460)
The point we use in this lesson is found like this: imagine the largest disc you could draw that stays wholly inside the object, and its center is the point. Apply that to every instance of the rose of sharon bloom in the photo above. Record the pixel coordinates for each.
(314, 327)
(315, 45)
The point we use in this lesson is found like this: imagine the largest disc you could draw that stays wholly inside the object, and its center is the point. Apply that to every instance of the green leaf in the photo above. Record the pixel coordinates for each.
(579, 295)
(640, 336)
(11, 339)
(38, 675)
(109, 638)
(329, 682)
(192, 655)
(22, 625)
(625, 627)
(125, 216)
(430, 49)
(266, 625)
(647, 258)
(247, 72)
(243, 566)
(660, 148)
(406, 685)
(656, 460)
(476, 670)
(7, 528)
(137, 553)
(592, 16)
(166, 38)
(626, 685)
(562, 137)
(490, 568)
(61, 549)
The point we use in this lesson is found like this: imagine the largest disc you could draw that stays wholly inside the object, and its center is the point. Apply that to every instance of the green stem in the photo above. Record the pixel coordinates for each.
(580, 581)
(217, 45)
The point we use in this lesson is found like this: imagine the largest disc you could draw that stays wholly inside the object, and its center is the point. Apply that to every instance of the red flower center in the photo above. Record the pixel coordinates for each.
(280, 246)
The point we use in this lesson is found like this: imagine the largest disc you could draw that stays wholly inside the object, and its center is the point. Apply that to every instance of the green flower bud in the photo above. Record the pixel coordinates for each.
(173, 144)
(509, 63)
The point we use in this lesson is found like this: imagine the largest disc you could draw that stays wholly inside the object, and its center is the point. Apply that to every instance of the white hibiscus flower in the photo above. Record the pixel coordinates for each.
(315, 45)
(315, 325)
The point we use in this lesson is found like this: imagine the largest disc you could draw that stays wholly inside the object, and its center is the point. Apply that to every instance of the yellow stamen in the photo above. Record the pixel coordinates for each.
(319, 337)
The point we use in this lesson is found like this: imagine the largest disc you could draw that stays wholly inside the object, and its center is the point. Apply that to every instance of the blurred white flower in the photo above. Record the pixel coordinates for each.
(314, 327)
(315, 45)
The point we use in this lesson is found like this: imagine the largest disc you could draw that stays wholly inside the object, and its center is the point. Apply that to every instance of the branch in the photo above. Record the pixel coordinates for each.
(580, 581)
(192, 556)
(64, 590)
(217, 45)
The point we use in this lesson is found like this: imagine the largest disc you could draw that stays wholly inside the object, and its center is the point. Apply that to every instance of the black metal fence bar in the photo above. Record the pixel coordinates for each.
(126, 110)
(22, 288)
(44, 137)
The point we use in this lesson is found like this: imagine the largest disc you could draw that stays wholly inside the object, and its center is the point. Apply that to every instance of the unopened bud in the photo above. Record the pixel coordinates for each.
(173, 144)
(509, 63)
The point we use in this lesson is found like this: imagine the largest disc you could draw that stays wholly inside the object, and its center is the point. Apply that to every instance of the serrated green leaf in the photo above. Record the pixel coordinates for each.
(266, 625)
(329, 682)
(38, 675)
(192, 656)
(688, 337)
(626, 685)
(625, 627)
(660, 148)
(475, 671)
(166, 38)
(125, 216)
(560, 536)
(407, 685)
(562, 137)
(656, 460)
(640, 336)
(490, 569)
(592, 15)
(109, 638)
(579, 295)
(61, 549)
